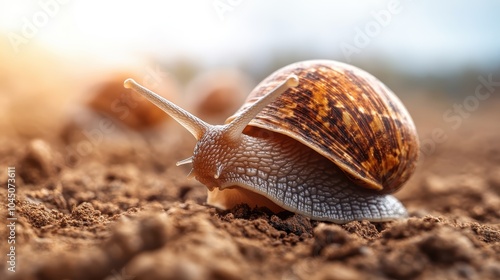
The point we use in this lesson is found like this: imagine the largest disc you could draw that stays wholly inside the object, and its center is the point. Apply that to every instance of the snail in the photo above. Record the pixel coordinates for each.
(320, 138)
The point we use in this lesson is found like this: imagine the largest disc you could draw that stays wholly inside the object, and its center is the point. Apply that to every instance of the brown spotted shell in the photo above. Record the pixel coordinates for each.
(346, 115)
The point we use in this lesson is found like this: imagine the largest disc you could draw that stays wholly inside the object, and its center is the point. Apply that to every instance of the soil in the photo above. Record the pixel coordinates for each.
(110, 203)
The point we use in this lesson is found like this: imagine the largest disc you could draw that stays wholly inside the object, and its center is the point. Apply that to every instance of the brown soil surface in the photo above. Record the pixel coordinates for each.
(117, 207)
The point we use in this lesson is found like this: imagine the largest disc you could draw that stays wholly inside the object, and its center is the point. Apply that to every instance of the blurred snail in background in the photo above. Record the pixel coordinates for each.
(214, 95)
(110, 99)
(320, 138)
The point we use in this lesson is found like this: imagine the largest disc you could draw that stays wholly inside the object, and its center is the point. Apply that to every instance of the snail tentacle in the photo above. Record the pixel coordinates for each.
(192, 123)
(236, 126)
(184, 161)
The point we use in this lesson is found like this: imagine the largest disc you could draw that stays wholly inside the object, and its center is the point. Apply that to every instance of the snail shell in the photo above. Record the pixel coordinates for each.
(346, 115)
(320, 138)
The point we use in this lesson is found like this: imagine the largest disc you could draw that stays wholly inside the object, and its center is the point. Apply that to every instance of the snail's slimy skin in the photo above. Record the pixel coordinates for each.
(278, 172)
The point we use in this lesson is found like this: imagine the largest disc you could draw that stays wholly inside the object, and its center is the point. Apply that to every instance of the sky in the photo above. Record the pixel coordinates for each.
(417, 36)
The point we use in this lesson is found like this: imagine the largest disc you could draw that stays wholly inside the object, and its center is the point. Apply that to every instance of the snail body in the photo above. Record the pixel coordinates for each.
(319, 138)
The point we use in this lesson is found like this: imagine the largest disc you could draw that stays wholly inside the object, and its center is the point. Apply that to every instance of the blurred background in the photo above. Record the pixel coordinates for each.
(91, 155)
(207, 55)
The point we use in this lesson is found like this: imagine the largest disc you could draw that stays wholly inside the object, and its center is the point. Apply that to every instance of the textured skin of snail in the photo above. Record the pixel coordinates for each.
(330, 144)
(292, 176)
